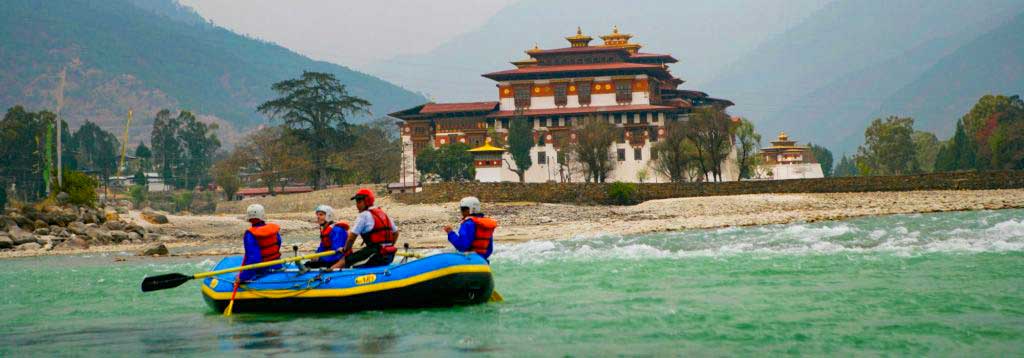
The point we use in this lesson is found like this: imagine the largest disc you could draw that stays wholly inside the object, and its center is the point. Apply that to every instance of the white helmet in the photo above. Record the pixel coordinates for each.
(255, 211)
(326, 209)
(472, 203)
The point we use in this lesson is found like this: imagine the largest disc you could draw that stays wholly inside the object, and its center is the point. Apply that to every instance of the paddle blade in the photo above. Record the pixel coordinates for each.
(227, 311)
(161, 282)
(496, 297)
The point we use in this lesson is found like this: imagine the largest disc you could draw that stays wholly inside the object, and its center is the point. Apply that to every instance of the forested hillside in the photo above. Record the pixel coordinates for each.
(149, 55)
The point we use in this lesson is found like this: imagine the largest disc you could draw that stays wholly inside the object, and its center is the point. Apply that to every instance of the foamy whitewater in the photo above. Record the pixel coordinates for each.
(983, 231)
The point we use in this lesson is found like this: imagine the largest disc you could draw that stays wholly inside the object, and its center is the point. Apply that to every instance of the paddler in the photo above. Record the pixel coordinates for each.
(378, 231)
(332, 237)
(262, 242)
(476, 232)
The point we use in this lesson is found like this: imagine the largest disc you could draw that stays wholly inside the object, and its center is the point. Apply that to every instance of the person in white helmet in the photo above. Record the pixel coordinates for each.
(476, 232)
(332, 237)
(262, 242)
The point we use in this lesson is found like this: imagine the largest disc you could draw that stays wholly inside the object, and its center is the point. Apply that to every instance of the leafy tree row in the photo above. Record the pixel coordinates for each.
(989, 137)
(23, 153)
(183, 149)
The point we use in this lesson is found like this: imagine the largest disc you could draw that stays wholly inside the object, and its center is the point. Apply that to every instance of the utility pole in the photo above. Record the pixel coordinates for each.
(60, 127)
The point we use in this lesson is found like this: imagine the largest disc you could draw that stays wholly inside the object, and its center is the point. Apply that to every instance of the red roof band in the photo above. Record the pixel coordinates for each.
(654, 69)
(431, 108)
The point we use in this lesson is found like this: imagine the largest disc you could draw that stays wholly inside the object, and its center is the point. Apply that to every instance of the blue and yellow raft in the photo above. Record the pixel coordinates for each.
(434, 281)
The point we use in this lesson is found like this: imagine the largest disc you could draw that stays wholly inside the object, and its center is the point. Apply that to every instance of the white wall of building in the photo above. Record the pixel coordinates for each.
(791, 171)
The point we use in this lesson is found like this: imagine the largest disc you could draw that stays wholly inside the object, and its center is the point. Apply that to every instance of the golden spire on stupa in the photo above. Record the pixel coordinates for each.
(617, 39)
(579, 40)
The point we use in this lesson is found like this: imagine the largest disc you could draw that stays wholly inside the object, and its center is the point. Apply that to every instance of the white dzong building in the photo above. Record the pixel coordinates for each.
(555, 90)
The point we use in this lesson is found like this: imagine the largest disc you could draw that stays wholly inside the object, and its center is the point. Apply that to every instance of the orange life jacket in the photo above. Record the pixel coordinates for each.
(266, 239)
(325, 233)
(381, 232)
(484, 232)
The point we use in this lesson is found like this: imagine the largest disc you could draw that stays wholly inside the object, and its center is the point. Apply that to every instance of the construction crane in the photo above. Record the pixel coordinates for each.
(124, 143)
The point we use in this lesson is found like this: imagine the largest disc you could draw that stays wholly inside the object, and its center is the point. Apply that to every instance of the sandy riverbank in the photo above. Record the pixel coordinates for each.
(421, 224)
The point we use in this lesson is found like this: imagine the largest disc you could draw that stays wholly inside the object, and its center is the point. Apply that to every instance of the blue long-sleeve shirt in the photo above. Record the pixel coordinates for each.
(338, 236)
(253, 256)
(463, 240)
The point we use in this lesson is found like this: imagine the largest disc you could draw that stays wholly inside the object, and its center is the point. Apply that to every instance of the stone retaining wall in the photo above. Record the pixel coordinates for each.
(587, 193)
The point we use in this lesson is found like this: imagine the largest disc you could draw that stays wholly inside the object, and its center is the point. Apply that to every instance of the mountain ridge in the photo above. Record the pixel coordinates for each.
(122, 57)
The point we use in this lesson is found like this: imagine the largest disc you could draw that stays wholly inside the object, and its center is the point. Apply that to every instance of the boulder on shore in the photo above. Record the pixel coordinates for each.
(20, 236)
(6, 242)
(77, 228)
(31, 246)
(118, 235)
(154, 217)
(154, 250)
(74, 243)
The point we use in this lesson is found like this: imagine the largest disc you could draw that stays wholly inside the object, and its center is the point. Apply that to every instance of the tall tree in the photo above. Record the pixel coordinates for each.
(846, 167)
(314, 102)
(676, 154)
(748, 143)
(167, 147)
(709, 131)
(451, 163)
(200, 142)
(225, 173)
(376, 155)
(1008, 146)
(888, 147)
(926, 149)
(145, 157)
(824, 157)
(594, 138)
(21, 152)
(97, 150)
(520, 141)
(275, 155)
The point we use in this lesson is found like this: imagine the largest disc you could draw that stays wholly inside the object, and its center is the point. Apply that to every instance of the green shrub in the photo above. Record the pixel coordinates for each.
(183, 201)
(81, 188)
(138, 195)
(623, 193)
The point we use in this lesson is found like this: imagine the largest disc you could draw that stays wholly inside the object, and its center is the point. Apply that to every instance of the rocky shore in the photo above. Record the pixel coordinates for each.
(29, 231)
(421, 224)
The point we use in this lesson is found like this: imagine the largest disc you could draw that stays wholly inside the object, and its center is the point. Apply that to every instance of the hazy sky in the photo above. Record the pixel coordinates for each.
(350, 32)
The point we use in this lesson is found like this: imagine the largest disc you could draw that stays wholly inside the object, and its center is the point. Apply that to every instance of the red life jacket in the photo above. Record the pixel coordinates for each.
(325, 233)
(266, 239)
(381, 233)
(484, 232)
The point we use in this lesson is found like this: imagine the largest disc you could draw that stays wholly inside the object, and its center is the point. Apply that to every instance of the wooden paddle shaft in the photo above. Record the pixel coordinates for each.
(281, 261)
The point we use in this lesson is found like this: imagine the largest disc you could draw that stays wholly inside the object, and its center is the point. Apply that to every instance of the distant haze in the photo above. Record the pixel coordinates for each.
(353, 33)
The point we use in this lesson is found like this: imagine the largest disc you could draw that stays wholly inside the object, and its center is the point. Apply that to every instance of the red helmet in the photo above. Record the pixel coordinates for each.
(366, 195)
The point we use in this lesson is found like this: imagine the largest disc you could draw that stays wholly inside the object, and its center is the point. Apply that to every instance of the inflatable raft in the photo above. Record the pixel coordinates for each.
(434, 281)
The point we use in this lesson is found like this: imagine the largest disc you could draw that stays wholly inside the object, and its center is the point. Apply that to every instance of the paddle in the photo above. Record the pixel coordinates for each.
(173, 280)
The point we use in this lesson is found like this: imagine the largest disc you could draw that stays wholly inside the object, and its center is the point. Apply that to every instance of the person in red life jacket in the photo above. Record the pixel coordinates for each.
(476, 232)
(262, 242)
(378, 231)
(332, 237)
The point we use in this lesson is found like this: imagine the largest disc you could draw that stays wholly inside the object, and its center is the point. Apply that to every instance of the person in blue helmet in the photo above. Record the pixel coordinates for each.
(332, 237)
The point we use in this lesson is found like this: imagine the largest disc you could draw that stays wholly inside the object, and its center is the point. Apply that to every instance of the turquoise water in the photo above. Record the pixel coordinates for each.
(949, 284)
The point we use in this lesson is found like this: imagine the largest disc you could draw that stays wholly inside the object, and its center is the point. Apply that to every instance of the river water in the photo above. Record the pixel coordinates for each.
(947, 284)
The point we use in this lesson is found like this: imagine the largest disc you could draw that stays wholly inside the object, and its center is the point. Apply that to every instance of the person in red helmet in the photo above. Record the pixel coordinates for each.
(378, 231)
